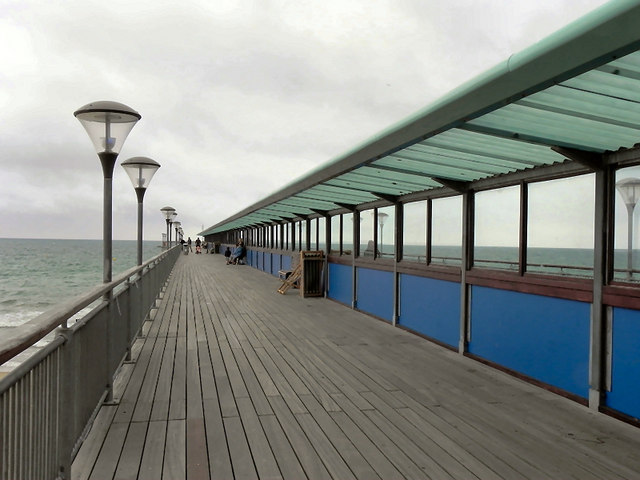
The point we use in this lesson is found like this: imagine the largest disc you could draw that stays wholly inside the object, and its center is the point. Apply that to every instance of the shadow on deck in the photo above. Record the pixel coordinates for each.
(233, 380)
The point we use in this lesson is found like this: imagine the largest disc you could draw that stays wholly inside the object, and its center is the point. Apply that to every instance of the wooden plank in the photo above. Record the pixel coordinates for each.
(353, 458)
(86, 458)
(129, 463)
(243, 466)
(265, 462)
(174, 465)
(107, 461)
(178, 399)
(153, 454)
(162, 394)
(308, 457)
(288, 462)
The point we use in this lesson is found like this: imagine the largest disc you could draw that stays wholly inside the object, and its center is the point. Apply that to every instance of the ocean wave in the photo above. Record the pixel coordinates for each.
(15, 319)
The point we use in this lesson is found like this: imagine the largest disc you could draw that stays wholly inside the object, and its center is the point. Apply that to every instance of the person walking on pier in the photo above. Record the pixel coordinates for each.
(189, 244)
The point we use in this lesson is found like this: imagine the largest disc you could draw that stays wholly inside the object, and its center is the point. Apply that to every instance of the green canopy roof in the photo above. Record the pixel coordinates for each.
(578, 89)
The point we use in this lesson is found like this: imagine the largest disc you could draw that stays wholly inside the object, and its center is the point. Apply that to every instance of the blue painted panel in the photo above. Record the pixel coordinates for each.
(276, 260)
(340, 284)
(375, 292)
(260, 260)
(543, 337)
(431, 307)
(625, 362)
(267, 262)
(251, 258)
(286, 262)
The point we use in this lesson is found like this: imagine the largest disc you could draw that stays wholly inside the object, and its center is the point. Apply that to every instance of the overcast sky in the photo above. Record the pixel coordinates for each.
(237, 97)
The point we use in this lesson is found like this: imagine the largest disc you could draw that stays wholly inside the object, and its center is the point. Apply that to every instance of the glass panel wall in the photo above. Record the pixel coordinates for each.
(626, 261)
(386, 229)
(322, 235)
(446, 228)
(302, 245)
(347, 234)
(335, 234)
(415, 232)
(366, 233)
(314, 230)
(497, 228)
(561, 226)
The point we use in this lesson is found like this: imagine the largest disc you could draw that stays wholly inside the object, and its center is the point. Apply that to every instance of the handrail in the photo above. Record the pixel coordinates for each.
(27, 334)
(49, 400)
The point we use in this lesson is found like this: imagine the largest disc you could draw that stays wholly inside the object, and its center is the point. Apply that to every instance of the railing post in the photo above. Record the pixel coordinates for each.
(66, 406)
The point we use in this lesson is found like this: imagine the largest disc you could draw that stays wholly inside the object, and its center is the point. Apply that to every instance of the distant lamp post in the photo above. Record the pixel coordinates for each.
(176, 227)
(172, 220)
(382, 218)
(168, 215)
(108, 124)
(629, 189)
(140, 171)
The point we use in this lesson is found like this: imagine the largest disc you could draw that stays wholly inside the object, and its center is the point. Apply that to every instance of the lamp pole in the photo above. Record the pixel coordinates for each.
(629, 189)
(171, 222)
(140, 171)
(176, 226)
(168, 212)
(382, 217)
(108, 124)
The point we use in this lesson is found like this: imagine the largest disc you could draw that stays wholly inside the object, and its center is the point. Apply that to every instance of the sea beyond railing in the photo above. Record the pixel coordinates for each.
(47, 402)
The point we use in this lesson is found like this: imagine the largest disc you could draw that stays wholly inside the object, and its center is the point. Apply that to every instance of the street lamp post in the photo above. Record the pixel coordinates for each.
(171, 222)
(168, 213)
(140, 171)
(382, 217)
(629, 189)
(176, 227)
(108, 124)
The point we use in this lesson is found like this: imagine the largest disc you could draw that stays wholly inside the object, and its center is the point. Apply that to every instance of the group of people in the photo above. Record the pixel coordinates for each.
(200, 245)
(236, 257)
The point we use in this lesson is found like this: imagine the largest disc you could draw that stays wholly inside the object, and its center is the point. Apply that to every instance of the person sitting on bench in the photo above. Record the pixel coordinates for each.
(238, 254)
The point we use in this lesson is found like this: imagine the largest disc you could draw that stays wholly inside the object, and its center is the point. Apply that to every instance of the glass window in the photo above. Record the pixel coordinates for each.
(303, 236)
(626, 263)
(313, 227)
(335, 234)
(497, 228)
(561, 226)
(446, 228)
(366, 233)
(322, 235)
(415, 232)
(347, 234)
(386, 229)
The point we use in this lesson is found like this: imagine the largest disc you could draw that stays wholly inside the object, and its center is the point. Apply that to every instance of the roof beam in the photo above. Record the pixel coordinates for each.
(347, 206)
(458, 186)
(387, 197)
(591, 160)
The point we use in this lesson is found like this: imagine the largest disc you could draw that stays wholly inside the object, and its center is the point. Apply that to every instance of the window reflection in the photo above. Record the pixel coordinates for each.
(497, 228)
(626, 263)
(415, 232)
(446, 237)
(561, 226)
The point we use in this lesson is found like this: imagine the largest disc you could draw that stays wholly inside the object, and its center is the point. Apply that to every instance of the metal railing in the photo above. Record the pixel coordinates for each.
(49, 400)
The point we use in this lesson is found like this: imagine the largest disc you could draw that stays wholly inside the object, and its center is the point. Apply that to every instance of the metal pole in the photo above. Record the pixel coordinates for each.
(167, 233)
(630, 208)
(140, 195)
(108, 161)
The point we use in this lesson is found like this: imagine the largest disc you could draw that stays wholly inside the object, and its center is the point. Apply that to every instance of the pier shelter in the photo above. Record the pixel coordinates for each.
(497, 222)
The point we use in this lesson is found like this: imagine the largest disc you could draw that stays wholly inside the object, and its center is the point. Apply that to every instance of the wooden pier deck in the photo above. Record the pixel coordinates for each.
(233, 380)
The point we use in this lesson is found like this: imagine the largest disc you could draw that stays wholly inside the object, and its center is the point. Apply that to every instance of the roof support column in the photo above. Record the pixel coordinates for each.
(354, 252)
(468, 206)
(399, 245)
(327, 251)
(599, 353)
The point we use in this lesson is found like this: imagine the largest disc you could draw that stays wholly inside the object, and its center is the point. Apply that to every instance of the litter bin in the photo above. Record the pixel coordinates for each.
(185, 248)
(312, 271)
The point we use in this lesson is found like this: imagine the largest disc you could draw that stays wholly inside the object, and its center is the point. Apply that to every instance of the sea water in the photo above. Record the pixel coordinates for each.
(37, 274)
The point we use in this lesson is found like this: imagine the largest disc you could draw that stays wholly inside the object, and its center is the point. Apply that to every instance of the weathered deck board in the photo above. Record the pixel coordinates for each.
(233, 380)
